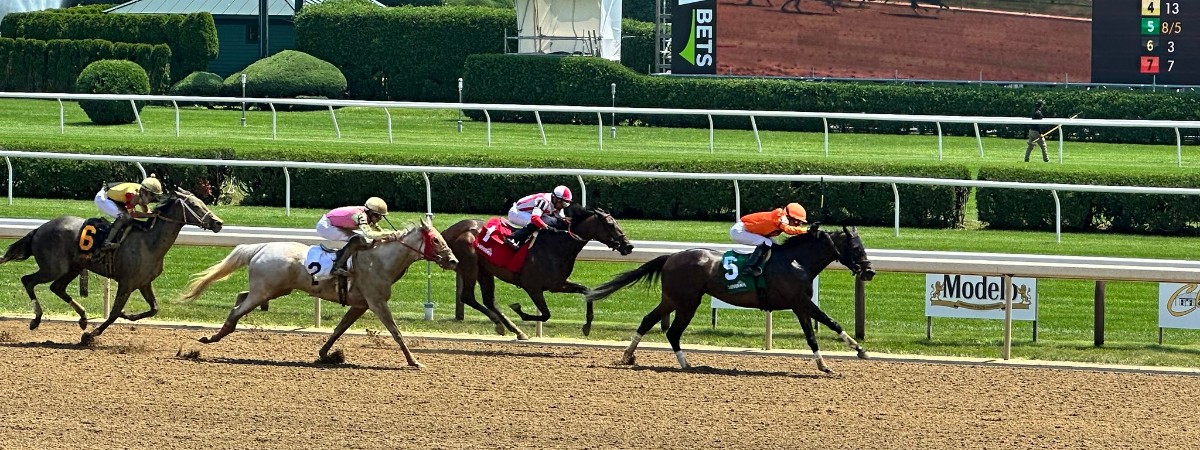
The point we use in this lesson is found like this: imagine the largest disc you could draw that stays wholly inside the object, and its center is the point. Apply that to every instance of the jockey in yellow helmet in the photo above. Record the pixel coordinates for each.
(125, 201)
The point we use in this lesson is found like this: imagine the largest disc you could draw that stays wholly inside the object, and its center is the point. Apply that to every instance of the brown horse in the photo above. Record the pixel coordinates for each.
(56, 246)
(689, 274)
(550, 262)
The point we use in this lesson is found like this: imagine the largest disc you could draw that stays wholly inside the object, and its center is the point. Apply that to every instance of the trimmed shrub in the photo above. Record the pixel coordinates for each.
(52, 66)
(112, 77)
(192, 38)
(288, 74)
(199, 84)
(419, 51)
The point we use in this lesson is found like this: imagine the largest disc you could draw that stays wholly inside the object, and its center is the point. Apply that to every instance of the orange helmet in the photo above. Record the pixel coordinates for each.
(795, 211)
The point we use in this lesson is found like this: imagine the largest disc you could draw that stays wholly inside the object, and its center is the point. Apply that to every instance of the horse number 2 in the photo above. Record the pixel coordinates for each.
(87, 238)
(731, 270)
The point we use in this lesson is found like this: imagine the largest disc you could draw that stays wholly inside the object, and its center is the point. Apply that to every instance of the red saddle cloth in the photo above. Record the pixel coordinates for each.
(491, 247)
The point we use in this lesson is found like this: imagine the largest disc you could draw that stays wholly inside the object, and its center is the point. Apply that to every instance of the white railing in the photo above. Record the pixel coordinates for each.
(579, 174)
(898, 261)
(601, 110)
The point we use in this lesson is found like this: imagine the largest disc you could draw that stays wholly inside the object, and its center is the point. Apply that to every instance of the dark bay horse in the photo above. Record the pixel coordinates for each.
(550, 262)
(277, 268)
(689, 274)
(134, 265)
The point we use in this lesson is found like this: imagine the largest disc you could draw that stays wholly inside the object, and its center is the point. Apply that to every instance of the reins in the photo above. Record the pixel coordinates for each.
(426, 251)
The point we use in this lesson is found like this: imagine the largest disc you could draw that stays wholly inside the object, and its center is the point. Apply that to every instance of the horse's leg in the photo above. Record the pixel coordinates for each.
(348, 319)
(487, 290)
(465, 291)
(59, 288)
(811, 337)
(539, 301)
(118, 306)
(148, 294)
(571, 287)
(30, 282)
(824, 319)
(683, 317)
(246, 302)
(381, 310)
(660, 313)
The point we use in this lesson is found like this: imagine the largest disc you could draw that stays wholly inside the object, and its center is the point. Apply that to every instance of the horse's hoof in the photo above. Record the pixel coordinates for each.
(827, 370)
(862, 353)
(205, 340)
(522, 337)
(587, 329)
(337, 357)
(87, 339)
(628, 360)
(82, 323)
(500, 330)
(33, 324)
(415, 365)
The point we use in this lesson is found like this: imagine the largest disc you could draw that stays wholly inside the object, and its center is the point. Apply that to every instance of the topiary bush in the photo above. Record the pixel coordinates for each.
(288, 74)
(199, 84)
(112, 76)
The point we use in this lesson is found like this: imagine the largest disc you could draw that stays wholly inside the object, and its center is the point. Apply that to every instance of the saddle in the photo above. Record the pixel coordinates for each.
(736, 279)
(491, 247)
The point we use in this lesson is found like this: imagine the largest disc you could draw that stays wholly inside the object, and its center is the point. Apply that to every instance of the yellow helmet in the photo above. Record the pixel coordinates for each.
(377, 206)
(153, 185)
(795, 211)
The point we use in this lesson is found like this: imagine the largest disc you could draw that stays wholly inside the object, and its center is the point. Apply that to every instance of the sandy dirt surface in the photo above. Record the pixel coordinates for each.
(888, 40)
(261, 390)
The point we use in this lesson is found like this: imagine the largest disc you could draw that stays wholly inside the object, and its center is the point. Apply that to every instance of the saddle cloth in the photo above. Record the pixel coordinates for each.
(319, 262)
(491, 247)
(735, 277)
(92, 234)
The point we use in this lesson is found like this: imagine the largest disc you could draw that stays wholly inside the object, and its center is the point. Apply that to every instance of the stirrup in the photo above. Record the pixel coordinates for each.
(339, 272)
(754, 271)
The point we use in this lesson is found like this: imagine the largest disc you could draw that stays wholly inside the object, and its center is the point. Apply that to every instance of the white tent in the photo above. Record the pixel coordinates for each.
(590, 27)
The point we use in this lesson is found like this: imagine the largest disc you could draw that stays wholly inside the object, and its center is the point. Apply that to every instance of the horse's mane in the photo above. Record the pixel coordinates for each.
(576, 212)
(409, 227)
(803, 239)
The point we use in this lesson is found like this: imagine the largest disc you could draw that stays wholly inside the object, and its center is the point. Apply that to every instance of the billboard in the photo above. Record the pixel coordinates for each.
(978, 297)
(949, 40)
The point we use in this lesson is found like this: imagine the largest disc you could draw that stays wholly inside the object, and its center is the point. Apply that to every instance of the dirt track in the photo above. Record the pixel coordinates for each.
(884, 41)
(260, 390)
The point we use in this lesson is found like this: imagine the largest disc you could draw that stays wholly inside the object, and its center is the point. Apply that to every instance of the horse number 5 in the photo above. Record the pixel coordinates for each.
(87, 238)
(731, 270)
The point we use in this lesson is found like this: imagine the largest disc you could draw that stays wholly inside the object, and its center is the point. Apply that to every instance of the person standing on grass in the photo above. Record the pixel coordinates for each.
(1036, 134)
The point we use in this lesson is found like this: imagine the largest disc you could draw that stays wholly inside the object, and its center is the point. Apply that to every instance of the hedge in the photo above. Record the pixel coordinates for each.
(585, 81)
(862, 204)
(29, 65)
(1022, 209)
(419, 51)
(191, 37)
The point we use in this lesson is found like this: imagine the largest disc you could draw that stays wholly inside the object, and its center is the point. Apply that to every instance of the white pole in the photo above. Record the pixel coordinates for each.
(1008, 295)
(460, 98)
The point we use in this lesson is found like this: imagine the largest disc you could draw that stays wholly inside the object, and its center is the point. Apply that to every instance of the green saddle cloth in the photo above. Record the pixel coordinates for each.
(735, 278)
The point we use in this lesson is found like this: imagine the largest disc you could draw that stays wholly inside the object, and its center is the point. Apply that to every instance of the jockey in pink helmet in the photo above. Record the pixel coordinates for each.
(538, 212)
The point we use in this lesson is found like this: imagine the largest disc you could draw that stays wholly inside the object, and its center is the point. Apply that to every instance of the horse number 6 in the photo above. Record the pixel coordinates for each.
(86, 238)
(731, 270)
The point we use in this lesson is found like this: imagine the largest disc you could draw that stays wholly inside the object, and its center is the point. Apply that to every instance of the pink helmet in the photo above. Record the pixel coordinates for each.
(563, 193)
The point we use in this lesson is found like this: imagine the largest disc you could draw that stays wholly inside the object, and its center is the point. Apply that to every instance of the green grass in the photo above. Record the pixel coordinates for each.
(35, 124)
(895, 318)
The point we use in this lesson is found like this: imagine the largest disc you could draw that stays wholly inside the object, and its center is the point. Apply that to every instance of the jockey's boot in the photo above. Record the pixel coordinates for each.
(520, 236)
(754, 265)
(340, 269)
(115, 233)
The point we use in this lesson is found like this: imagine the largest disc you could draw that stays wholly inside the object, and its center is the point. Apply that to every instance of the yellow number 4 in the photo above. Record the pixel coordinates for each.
(1150, 7)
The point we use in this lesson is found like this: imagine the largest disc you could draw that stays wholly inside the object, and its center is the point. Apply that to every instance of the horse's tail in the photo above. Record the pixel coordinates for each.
(649, 271)
(20, 250)
(238, 258)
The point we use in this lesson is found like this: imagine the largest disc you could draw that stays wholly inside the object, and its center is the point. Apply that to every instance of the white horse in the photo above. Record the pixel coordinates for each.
(277, 268)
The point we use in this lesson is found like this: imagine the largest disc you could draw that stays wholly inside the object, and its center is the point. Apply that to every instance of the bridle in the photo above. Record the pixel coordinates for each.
(614, 244)
(427, 250)
(187, 209)
(854, 266)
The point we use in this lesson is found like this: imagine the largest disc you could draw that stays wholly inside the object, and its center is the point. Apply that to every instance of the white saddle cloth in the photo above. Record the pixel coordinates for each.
(319, 263)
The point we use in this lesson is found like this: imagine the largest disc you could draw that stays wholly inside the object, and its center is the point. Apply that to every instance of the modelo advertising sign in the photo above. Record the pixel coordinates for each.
(693, 37)
(976, 297)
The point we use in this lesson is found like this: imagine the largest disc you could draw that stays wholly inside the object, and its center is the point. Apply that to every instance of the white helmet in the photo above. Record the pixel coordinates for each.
(377, 206)
(563, 193)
